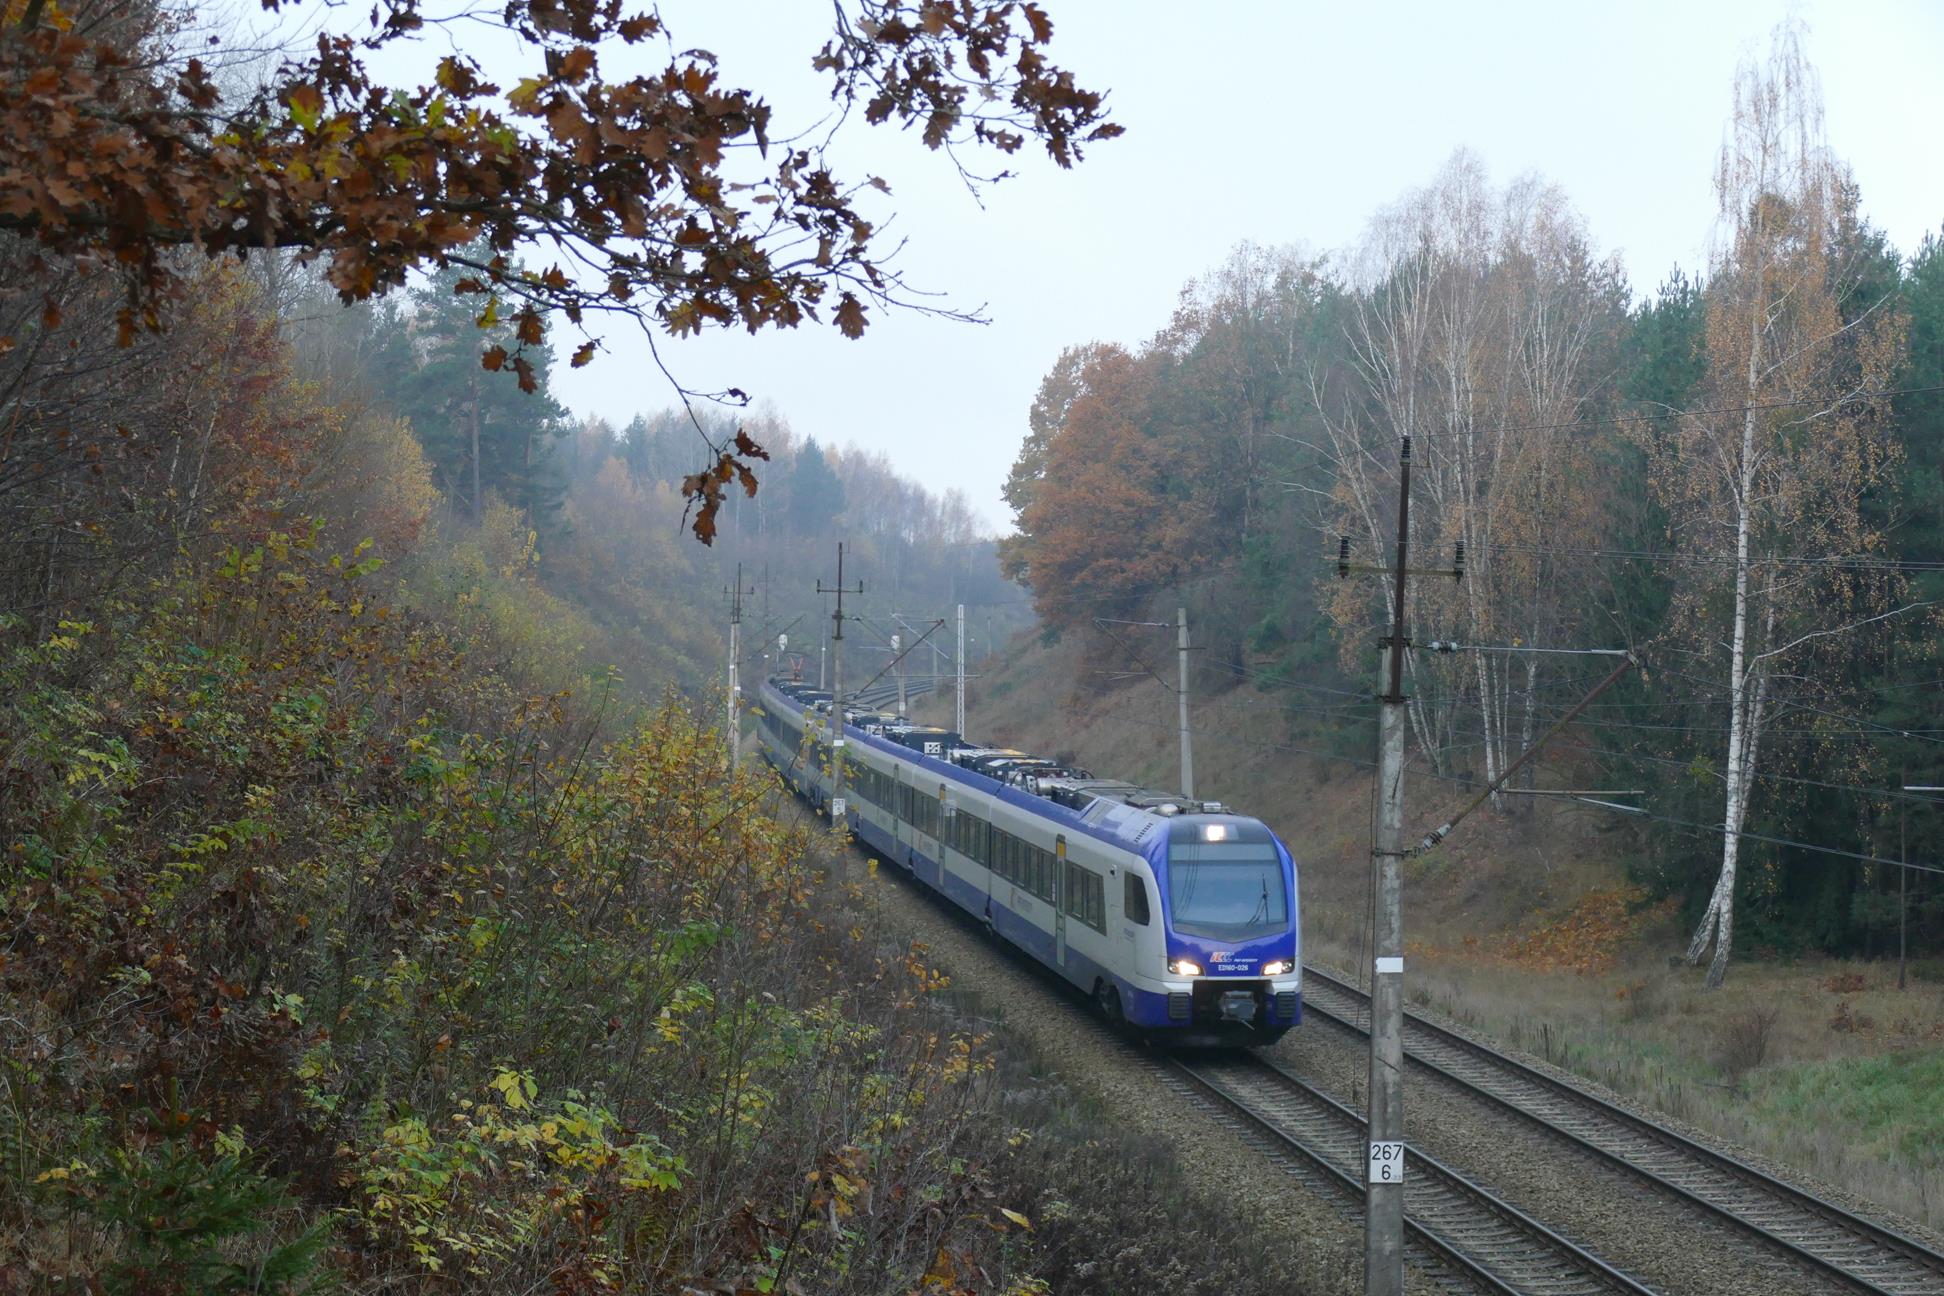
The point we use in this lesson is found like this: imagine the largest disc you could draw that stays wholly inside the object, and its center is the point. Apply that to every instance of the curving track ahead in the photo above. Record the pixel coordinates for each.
(1471, 1235)
(1864, 1255)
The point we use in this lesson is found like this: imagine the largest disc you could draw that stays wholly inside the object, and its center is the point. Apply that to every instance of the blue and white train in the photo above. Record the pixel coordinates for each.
(1178, 917)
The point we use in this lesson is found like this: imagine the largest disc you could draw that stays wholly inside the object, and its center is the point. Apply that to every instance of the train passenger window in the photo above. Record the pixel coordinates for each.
(1135, 900)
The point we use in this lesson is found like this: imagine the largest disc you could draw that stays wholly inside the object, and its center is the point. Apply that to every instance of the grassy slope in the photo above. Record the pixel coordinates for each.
(1523, 927)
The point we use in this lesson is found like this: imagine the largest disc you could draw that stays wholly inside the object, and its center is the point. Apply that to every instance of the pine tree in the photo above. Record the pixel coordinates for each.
(483, 436)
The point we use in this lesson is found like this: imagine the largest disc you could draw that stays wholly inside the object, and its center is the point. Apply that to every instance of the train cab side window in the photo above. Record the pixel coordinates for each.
(1135, 901)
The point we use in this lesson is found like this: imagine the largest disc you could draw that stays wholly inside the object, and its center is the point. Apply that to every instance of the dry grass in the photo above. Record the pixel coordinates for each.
(1521, 926)
(1774, 1061)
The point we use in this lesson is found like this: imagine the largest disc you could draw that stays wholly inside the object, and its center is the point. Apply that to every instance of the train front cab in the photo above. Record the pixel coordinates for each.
(1225, 941)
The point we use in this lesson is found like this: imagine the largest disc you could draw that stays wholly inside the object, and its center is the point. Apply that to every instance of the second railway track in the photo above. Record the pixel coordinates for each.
(1864, 1255)
(1482, 1241)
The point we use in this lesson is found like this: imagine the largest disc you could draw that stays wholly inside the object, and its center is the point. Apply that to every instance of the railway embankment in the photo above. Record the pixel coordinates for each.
(1292, 1220)
(1527, 930)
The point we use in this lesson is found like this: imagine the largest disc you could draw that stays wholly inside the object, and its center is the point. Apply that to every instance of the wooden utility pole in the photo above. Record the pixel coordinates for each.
(837, 688)
(1181, 694)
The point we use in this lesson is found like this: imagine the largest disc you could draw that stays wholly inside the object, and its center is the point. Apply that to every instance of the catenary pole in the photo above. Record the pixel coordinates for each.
(837, 687)
(1181, 694)
(958, 713)
(1384, 1155)
(1903, 873)
(898, 657)
(729, 734)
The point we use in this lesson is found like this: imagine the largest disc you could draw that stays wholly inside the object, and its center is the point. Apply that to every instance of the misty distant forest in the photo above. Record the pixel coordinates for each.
(380, 908)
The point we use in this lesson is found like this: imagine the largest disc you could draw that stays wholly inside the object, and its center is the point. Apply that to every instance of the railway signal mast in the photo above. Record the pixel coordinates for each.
(837, 687)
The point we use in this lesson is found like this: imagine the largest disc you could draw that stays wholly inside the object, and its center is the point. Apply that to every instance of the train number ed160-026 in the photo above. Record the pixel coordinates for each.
(1178, 916)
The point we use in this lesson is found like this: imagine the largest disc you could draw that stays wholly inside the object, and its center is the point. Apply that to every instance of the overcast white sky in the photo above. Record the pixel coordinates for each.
(1277, 123)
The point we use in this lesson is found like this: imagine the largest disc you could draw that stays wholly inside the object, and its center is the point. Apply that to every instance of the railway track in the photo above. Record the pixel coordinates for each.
(1864, 1255)
(1466, 1231)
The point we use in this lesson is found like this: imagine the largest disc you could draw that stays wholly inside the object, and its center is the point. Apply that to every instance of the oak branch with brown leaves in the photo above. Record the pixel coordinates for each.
(659, 199)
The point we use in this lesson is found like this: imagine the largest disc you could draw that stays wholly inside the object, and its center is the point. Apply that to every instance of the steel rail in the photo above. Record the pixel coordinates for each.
(1895, 1264)
(1508, 1250)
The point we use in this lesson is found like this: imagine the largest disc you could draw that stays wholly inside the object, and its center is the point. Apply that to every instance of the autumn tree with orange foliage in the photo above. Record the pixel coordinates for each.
(660, 197)
(1105, 525)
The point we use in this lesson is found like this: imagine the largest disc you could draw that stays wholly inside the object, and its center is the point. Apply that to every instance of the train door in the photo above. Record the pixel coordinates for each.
(1134, 913)
(1059, 900)
(897, 813)
(938, 834)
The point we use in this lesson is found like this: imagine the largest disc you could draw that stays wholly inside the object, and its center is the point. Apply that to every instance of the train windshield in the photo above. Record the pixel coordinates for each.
(1229, 891)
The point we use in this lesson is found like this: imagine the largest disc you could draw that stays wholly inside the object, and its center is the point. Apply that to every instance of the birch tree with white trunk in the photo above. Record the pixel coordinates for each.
(1766, 485)
(1483, 324)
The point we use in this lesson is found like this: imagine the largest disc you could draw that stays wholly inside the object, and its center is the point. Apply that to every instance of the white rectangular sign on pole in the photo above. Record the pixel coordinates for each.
(1386, 1163)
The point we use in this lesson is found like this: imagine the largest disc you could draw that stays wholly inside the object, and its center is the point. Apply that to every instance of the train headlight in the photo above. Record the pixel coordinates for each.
(1184, 967)
(1281, 967)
